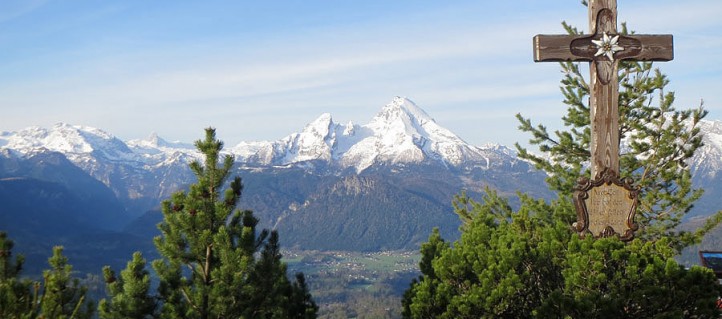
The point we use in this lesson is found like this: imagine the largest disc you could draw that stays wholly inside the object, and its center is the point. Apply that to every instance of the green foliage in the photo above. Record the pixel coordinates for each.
(63, 296)
(301, 304)
(15, 293)
(430, 251)
(129, 294)
(209, 266)
(606, 278)
(500, 267)
(529, 263)
(59, 296)
(660, 141)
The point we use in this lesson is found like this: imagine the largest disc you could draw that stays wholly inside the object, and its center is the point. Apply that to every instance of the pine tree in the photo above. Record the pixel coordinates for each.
(528, 262)
(15, 293)
(59, 296)
(129, 294)
(63, 296)
(301, 304)
(208, 267)
(424, 300)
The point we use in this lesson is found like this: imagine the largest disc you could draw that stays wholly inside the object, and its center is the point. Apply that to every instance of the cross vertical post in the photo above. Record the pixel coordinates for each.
(605, 204)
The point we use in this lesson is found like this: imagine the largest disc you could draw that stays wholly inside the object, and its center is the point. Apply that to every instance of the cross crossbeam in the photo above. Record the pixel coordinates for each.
(576, 48)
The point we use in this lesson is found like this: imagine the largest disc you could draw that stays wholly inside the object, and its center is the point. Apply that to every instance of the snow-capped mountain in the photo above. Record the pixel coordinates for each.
(708, 160)
(78, 143)
(87, 146)
(400, 133)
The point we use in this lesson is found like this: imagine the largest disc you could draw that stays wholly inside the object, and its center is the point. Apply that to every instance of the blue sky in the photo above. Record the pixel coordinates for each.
(259, 70)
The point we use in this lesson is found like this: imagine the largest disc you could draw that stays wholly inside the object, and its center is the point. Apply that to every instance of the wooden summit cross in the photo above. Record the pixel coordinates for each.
(605, 204)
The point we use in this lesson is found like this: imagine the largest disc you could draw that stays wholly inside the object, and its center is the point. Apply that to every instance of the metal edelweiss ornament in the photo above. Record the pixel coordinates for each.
(607, 46)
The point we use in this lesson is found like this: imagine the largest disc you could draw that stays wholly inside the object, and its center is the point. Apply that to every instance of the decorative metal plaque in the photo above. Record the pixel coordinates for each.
(606, 206)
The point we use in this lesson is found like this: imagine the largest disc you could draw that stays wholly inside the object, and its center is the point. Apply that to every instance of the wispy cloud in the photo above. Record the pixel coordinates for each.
(462, 64)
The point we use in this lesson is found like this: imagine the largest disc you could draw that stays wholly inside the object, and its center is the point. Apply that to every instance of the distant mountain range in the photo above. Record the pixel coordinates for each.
(379, 186)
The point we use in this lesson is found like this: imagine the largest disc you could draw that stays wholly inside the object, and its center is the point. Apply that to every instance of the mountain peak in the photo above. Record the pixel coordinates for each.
(152, 141)
(410, 108)
(81, 132)
(320, 126)
(154, 138)
(403, 111)
(314, 142)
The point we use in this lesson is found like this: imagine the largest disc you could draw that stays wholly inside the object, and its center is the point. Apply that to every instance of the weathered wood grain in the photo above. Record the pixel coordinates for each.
(560, 48)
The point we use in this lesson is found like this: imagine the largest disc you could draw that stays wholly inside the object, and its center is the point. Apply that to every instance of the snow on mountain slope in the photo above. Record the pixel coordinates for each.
(155, 142)
(78, 143)
(400, 133)
(89, 147)
(403, 132)
(155, 151)
(315, 142)
(708, 160)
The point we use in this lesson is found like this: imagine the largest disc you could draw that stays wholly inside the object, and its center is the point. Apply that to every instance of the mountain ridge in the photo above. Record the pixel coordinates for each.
(400, 133)
(341, 182)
